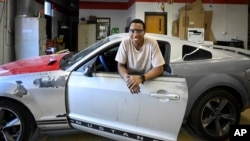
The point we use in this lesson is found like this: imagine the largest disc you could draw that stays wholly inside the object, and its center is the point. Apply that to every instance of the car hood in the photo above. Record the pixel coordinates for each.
(30, 65)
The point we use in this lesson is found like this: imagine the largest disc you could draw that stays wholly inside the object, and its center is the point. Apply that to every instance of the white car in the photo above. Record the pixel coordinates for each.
(84, 91)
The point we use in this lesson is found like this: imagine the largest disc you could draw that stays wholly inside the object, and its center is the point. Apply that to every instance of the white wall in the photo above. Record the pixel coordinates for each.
(229, 21)
(130, 14)
(232, 19)
(118, 17)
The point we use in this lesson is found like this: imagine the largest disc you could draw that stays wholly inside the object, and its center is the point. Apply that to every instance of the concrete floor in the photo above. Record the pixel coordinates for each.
(184, 135)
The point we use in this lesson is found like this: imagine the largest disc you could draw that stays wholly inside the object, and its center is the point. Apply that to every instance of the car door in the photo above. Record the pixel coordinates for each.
(100, 103)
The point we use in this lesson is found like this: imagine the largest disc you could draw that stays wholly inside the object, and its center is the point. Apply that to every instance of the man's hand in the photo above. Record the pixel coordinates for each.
(133, 82)
(135, 90)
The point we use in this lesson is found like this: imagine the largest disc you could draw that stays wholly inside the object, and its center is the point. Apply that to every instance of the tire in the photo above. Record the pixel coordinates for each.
(16, 122)
(210, 121)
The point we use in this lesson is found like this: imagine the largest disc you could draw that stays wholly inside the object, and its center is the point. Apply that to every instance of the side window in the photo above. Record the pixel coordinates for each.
(106, 60)
(190, 53)
(165, 50)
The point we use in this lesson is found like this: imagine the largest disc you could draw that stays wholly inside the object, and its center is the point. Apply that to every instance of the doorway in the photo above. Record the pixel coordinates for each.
(156, 22)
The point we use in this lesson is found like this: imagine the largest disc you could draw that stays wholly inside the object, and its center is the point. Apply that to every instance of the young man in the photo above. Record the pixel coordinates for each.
(139, 58)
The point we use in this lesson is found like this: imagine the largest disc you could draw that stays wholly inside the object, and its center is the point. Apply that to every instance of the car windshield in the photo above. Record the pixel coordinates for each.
(72, 59)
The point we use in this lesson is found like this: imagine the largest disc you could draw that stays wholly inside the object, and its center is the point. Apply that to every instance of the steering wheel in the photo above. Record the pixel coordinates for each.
(101, 58)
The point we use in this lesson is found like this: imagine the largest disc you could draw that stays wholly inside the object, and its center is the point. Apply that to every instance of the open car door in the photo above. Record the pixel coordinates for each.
(102, 104)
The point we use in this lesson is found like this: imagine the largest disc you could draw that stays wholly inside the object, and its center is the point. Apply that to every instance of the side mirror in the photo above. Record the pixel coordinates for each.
(88, 71)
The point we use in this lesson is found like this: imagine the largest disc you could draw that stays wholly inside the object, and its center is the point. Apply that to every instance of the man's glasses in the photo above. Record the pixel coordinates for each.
(138, 31)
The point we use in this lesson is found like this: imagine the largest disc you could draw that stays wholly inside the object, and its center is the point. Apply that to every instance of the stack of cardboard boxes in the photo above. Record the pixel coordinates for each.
(193, 16)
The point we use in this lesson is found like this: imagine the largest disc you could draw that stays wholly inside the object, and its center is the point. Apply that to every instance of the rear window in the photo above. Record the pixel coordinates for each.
(193, 53)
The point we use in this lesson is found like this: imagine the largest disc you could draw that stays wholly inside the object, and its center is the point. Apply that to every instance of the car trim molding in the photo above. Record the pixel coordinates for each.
(112, 130)
(44, 122)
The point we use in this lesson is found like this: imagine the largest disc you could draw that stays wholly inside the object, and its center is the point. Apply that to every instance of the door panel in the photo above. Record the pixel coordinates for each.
(155, 24)
(103, 105)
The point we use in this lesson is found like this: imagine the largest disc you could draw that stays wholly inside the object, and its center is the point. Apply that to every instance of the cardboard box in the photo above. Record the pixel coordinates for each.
(209, 36)
(175, 28)
(191, 16)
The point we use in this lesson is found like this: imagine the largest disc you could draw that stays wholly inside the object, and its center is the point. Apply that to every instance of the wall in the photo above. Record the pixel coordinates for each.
(231, 19)
(113, 14)
(130, 14)
(2, 23)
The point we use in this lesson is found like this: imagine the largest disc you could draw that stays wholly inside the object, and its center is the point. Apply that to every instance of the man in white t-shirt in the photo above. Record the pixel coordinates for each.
(139, 58)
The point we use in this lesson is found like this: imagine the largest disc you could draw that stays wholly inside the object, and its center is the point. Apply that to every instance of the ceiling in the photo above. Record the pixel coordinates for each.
(104, 0)
(74, 3)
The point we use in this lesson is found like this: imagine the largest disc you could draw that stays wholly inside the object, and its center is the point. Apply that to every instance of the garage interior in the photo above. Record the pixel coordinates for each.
(61, 23)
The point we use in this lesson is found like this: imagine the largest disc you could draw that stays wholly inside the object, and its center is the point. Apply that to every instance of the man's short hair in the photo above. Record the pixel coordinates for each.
(138, 21)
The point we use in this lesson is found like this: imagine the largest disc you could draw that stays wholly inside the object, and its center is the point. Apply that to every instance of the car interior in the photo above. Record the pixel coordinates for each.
(106, 60)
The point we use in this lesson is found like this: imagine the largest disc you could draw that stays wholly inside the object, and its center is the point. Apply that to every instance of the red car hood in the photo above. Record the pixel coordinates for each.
(36, 64)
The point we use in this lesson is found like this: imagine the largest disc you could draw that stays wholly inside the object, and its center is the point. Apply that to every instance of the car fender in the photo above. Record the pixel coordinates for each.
(14, 91)
(211, 81)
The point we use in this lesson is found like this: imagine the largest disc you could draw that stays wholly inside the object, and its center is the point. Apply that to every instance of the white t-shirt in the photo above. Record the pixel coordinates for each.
(140, 62)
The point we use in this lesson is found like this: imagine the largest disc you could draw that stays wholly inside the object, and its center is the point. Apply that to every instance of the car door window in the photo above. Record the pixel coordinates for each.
(106, 60)
(165, 50)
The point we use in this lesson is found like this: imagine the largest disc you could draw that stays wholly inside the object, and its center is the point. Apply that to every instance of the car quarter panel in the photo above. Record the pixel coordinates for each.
(220, 74)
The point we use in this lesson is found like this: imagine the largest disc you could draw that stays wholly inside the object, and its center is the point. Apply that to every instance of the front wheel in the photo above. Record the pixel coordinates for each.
(213, 113)
(16, 123)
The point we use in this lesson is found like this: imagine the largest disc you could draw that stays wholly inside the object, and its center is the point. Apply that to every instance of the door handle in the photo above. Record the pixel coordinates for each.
(159, 25)
(165, 97)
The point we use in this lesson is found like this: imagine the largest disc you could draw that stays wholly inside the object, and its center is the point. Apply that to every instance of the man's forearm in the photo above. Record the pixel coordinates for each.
(154, 73)
(122, 70)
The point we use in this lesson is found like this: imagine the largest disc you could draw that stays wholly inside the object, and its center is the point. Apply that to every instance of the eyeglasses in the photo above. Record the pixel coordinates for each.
(138, 31)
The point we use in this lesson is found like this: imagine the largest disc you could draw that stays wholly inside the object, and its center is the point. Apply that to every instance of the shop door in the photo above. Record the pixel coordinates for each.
(156, 22)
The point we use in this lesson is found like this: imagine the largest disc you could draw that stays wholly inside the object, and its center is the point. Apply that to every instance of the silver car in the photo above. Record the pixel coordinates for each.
(205, 87)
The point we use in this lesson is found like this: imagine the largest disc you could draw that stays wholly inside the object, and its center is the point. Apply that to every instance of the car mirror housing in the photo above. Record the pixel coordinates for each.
(88, 71)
